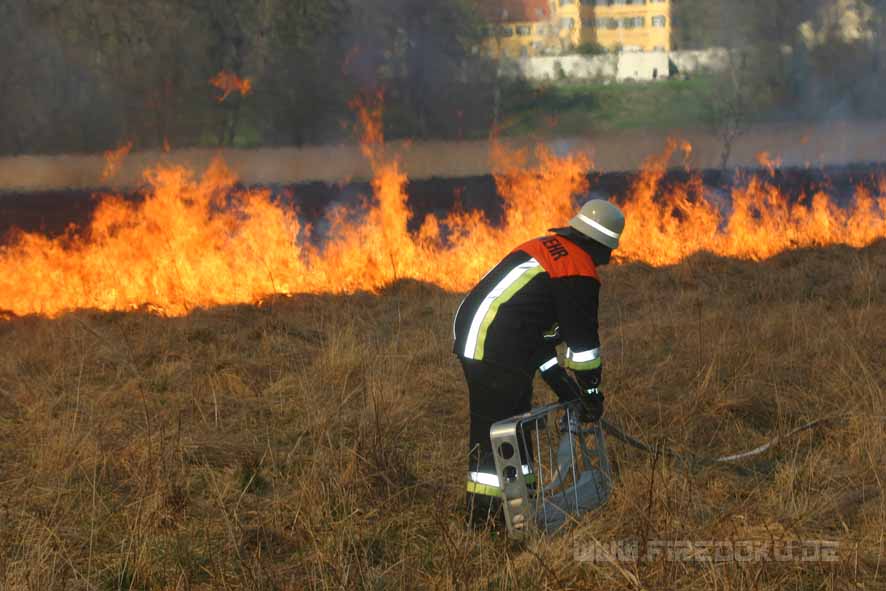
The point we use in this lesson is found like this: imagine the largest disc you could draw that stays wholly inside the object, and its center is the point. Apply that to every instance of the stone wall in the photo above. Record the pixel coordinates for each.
(618, 67)
(614, 66)
(703, 60)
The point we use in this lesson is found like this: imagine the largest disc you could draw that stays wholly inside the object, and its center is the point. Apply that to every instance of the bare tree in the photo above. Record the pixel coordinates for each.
(730, 105)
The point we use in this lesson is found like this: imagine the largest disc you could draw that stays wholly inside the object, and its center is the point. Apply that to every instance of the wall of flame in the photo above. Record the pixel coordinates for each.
(195, 241)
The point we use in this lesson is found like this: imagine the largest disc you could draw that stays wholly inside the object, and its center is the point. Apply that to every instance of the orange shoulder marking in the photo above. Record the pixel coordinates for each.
(560, 257)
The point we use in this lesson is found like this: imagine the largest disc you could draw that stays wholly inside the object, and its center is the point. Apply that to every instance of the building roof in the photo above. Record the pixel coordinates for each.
(512, 11)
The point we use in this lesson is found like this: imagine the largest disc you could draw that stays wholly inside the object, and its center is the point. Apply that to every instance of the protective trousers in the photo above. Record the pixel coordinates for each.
(495, 393)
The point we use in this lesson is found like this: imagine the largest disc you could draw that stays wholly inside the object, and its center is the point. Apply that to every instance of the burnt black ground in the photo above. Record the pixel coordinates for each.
(51, 212)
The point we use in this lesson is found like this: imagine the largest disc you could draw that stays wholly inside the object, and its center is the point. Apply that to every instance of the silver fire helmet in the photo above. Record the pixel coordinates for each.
(600, 220)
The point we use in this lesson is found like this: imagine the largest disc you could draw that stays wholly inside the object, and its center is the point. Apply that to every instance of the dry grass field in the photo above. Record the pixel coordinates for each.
(318, 442)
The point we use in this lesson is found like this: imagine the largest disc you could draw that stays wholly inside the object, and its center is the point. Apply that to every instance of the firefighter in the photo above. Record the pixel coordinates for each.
(545, 291)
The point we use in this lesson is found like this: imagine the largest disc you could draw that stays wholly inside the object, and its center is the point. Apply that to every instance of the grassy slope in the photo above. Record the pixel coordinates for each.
(577, 108)
(317, 442)
(570, 108)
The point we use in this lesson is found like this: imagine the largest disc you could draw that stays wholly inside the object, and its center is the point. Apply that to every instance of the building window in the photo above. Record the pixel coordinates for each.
(611, 23)
(659, 21)
(541, 30)
(589, 23)
(524, 30)
(633, 22)
(506, 32)
(566, 2)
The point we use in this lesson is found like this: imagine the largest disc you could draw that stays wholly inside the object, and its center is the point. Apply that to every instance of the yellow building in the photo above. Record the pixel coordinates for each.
(632, 25)
(523, 28)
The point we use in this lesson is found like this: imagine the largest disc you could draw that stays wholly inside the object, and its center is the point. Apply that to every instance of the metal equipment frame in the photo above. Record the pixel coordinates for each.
(557, 485)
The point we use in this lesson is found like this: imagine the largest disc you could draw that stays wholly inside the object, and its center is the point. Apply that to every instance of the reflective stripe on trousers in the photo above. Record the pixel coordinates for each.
(486, 483)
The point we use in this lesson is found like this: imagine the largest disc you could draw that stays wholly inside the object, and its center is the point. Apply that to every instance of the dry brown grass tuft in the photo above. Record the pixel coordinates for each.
(318, 442)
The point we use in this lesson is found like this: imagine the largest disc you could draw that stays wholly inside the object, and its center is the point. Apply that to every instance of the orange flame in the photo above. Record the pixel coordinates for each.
(194, 242)
(763, 222)
(114, 160)
(770, 164)
(228, 82)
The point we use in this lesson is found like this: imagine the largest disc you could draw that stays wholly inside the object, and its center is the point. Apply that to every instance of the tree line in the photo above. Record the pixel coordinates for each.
(87, 75)
(825, 58)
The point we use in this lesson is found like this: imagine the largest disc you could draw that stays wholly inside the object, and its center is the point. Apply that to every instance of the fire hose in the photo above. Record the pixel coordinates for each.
(576, 476)
(620, 434)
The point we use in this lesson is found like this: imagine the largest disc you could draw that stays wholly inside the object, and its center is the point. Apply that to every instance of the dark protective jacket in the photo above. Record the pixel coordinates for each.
(548, 281)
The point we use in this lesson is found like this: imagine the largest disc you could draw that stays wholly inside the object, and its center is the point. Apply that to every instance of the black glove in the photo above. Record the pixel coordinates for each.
(591, 405)
(562, 384)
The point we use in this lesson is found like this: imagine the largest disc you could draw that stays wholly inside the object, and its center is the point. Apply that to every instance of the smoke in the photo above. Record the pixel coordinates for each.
(51, 100)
